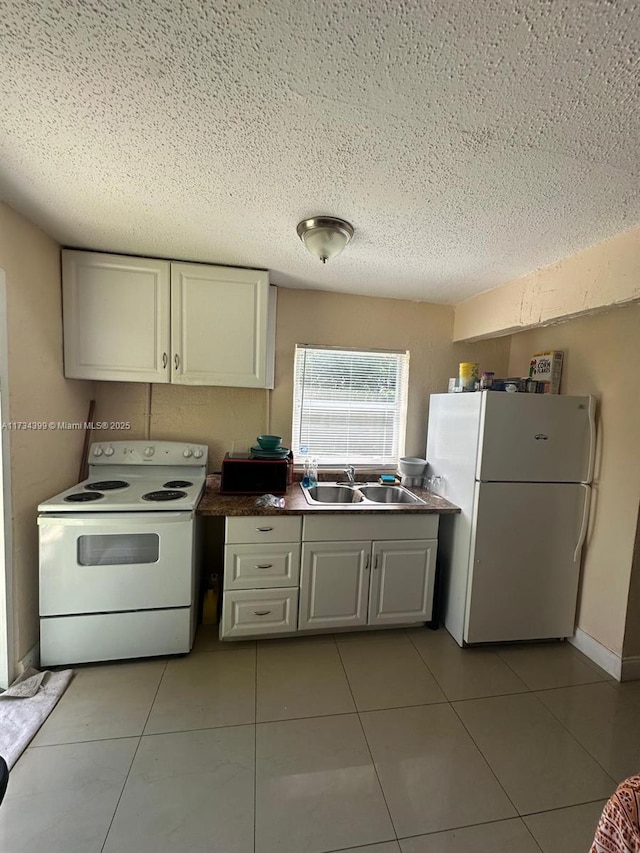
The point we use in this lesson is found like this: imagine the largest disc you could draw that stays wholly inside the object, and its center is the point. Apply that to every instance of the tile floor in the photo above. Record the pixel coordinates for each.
(388, 742)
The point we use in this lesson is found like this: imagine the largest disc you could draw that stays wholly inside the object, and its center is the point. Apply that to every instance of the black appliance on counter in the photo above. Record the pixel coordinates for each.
(242, 475)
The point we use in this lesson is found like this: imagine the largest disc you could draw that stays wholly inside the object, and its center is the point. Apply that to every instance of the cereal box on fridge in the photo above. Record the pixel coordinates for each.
(547, 367)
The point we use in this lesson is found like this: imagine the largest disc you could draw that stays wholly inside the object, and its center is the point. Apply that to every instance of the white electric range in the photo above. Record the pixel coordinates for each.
(119, 555)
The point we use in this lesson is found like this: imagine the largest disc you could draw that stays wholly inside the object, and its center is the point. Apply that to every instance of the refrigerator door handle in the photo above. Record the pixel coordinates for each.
(585, 522)
(592, 439)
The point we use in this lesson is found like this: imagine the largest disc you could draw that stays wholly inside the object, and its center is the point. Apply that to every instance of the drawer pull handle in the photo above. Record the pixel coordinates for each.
(261, 612)
(264, 529)
(264, 566)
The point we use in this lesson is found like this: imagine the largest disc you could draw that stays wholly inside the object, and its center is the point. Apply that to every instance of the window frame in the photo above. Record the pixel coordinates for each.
(387, 461)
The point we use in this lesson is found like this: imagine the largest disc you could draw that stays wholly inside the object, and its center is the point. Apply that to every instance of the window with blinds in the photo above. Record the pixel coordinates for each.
(349, 406)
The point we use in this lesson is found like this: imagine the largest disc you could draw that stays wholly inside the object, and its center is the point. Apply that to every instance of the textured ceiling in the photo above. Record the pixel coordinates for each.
(467, 141)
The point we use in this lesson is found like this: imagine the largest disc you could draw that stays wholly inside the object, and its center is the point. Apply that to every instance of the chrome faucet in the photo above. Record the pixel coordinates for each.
(350, 472)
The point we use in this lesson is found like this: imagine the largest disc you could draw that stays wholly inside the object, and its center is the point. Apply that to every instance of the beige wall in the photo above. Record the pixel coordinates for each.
(204, 415)
(601, 357)
(603, 275)
(218, 416)
(42, 462)
(334, 319)
(632, 629)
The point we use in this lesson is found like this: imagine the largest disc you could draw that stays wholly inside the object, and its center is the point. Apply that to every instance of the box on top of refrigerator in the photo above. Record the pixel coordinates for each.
(547, 367)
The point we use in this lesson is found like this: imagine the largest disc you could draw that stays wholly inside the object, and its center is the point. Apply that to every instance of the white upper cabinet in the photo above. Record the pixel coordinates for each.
(139, 320)
(116, 317)
(219, 325)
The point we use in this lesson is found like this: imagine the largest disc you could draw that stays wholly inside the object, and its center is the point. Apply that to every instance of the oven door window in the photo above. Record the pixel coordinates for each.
(118, 549)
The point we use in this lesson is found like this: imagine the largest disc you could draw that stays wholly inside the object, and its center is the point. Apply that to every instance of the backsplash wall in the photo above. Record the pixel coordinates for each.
(218, 416)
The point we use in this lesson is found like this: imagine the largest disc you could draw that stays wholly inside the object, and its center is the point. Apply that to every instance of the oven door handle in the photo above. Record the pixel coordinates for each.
(124, 521)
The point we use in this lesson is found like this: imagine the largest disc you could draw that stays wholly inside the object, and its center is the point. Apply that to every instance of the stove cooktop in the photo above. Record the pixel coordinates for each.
(141, 493)
(142, 476)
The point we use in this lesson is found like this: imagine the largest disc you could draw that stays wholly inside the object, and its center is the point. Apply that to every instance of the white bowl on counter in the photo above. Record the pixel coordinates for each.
(412, 466)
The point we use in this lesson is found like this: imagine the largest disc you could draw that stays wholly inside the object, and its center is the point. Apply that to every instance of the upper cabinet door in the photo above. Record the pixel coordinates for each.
(220, 326)
(116, 317)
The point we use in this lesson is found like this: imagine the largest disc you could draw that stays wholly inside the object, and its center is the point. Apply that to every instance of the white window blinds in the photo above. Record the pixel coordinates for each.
(349, 406)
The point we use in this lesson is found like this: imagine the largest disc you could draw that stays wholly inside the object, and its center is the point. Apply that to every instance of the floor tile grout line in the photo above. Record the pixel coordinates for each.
(463, 826)
(569, 686)
(364, 735)
(484, 757)
(577, 741)
(425, 664)
(135, 752)
(508, 665)
(580, 656)
(429, 668)
(611, 685)
(564, 808)
(499, 696)
(472, 698)
(584, 749)
(497, 649)
(88, 740)
(586, 660)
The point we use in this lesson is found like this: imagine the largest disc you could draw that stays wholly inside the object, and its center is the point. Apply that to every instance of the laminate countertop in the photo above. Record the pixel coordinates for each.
(213, 503)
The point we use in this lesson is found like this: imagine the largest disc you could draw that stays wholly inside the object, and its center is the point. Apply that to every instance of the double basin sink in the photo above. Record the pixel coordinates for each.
(359, 494)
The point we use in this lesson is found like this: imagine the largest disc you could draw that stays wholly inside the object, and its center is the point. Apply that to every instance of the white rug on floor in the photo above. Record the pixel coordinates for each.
(25, 706)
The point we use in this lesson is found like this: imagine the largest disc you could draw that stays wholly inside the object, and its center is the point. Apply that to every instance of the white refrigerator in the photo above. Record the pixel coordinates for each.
(518, 466)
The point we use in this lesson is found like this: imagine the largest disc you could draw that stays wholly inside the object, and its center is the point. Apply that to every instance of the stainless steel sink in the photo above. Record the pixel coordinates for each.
(390, 494)
(331, 493)
(339, 494)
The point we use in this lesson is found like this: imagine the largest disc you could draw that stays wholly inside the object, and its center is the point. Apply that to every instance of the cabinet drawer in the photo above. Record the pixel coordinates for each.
(263, 528)
(261, 566)
(342, 528)
(250, 612)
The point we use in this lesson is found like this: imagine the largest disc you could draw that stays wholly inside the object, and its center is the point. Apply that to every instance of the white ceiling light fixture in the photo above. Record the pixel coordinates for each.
(324, 236)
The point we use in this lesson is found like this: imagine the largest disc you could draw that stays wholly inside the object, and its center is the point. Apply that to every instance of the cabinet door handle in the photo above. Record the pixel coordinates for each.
(263, 566)
(176, 361)
(366, 563)
(165, 359)
(375, 565)
(261, 612)
(264, 529)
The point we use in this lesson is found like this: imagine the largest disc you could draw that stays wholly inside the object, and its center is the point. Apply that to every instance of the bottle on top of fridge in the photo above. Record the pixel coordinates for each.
(468, 373)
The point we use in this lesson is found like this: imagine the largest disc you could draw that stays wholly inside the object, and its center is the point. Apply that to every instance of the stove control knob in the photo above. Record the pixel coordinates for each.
(197, 454)
(187, 453)
(97, 451)
(109, 451)
(149, 451)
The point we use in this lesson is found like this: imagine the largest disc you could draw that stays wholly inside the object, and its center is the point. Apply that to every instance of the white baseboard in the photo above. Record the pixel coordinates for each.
(630, 669)
(599, 654)
(31, 659)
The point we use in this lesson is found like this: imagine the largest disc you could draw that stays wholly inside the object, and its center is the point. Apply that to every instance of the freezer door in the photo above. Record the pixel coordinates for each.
(537, 438)
(523, 578)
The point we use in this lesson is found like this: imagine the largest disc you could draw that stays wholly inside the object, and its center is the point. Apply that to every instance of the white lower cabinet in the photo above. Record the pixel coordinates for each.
(356, 581)
(402, 579)
(249, 612)
(261, 576)
(334, 584)
(349, 572)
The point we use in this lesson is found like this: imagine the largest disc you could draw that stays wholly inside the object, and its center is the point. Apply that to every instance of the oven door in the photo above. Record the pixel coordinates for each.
(105, 562)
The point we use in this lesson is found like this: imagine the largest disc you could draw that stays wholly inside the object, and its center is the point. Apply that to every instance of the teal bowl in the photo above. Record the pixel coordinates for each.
(269, 442)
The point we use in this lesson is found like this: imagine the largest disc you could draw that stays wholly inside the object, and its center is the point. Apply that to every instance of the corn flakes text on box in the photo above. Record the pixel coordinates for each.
(547, 367)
